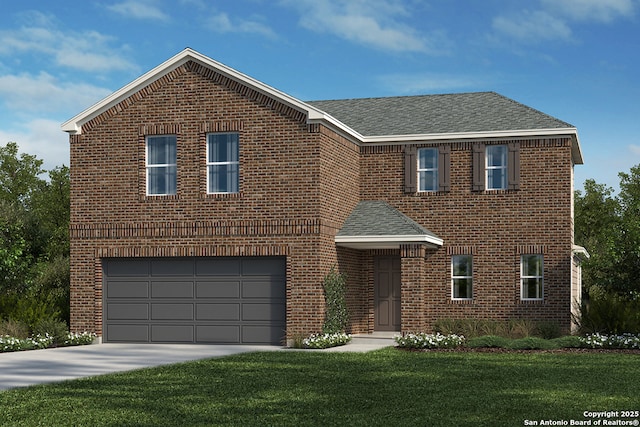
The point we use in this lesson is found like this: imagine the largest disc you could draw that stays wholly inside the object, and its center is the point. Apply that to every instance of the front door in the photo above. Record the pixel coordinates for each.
(387, 293)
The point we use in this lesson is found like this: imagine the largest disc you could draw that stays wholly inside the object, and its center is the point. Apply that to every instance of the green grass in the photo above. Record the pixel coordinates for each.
(389, 387)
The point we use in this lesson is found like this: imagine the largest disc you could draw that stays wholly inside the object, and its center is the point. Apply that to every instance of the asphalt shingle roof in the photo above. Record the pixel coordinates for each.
(377, 218)
(429, 114)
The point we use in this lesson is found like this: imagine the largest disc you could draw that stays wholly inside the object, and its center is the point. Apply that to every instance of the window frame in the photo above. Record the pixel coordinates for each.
(503, 167)
(454, 278)
(435, 170)
(210, 165)
(538, 277)
(149, 167)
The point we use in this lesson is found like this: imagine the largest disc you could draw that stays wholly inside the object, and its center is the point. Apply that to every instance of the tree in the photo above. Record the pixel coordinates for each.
(19, 175)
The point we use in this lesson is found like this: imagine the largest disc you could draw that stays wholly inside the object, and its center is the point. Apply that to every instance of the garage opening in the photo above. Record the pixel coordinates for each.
(235, 300)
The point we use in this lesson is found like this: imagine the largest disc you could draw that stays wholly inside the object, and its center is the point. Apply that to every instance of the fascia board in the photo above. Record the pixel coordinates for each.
(399, 239)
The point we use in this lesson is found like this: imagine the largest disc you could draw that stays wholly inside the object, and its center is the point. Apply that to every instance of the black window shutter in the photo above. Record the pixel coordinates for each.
(410, 169)
(513, 166)
(444, 168)
(478, 167)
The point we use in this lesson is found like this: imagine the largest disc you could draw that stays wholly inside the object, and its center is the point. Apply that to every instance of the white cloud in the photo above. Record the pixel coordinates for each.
(425, 83)
(221, 23)
(85, 51)
(634, 149)
(591, 10)
(139, 9)
(532, 27)
(44, 93)
(42, 138)
(374, 23)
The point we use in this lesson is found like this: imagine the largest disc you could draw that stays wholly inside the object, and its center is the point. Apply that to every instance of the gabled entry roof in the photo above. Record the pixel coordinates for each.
(376, 225)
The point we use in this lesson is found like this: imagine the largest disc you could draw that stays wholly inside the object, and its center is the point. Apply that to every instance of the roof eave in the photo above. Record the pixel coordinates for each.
(386, 241)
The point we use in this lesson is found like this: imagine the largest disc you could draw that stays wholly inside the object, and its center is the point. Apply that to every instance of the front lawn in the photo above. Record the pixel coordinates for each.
(389, 387)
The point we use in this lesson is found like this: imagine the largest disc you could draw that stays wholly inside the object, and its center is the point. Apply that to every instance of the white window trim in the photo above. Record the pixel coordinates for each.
(523, 277)
(504, 167)
(210, 164)
(435, 170)
(148, 167)
(461, 277)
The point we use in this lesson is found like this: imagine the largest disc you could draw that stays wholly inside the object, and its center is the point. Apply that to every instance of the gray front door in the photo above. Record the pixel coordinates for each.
(234, 300)
(387, 293)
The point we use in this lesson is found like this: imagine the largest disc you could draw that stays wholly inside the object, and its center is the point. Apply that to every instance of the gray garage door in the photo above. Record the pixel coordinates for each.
(194, 300)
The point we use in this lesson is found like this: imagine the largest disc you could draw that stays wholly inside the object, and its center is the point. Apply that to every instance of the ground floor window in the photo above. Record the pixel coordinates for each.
(461, 277)
(531, 277)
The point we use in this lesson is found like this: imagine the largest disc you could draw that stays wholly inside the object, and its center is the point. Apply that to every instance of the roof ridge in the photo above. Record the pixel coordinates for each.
(402, 96)
(532, 109)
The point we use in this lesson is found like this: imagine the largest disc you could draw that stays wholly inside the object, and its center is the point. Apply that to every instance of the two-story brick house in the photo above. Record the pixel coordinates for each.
(207, 206)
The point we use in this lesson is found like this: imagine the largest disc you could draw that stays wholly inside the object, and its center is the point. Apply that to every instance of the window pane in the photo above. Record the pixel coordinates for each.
(532, 265)
(497, 155)
(427, 158)
(462, 288)
(223, 178)
(223, 147)
(161, 150)
(462, 265)
(531, 288)
(428, 180)
(162, 180)
(496, 179)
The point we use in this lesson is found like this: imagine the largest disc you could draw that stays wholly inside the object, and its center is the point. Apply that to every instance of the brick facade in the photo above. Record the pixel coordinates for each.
(298, 184)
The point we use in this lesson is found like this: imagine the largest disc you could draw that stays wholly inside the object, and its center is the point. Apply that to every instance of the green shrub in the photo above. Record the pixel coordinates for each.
(569, 341)
(82, 338)
(609, 314)
(337, 317)
(422, 341)
(14, 328)
(488, 341)
(30, 307)
(319, 341)
(547, 330)
(531, 343)
(56, 329)
(514, 328)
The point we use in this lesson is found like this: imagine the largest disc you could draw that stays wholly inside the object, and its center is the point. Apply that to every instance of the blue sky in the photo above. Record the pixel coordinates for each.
(577, 60)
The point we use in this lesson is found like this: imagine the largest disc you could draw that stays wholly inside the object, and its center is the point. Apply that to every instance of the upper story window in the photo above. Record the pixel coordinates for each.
(461, 277)
(496, 167)
(223, 163)
(531, 277)
(427, 169)
(161, 165)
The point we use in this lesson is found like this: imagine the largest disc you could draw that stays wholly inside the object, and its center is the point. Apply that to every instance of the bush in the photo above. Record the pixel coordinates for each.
(514, 328)
(29, 307)
(623, 341)
(422, 340)
(337, 316)
(531, 343)
(14, 328)
(569, 341)
(488, 341)
(82, 338)
(56, 329)
(320, 341)
(609, 313)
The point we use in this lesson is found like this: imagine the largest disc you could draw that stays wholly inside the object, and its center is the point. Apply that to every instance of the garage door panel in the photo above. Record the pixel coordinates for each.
(172, 311)
(258, 334)
(172, 333)
(214, 300)
(218, 267)
(127, 311)
(126, 267)
(230, 312)
(172, 267)
(262, 267)
(172, 289)
(263, 289)
(128, 289)
(218, 289)
(127, 333)
(222, 334)
(264, 312)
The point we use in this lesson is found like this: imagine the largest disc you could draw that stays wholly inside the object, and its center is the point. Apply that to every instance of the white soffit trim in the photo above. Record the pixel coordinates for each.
(581, 252)
(386, 240)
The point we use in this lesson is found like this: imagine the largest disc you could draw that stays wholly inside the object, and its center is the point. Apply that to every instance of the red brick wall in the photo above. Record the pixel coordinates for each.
(297, 185)
(495, 226)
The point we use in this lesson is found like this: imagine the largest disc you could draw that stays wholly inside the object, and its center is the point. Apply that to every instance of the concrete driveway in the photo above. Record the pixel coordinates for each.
(25, 368)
